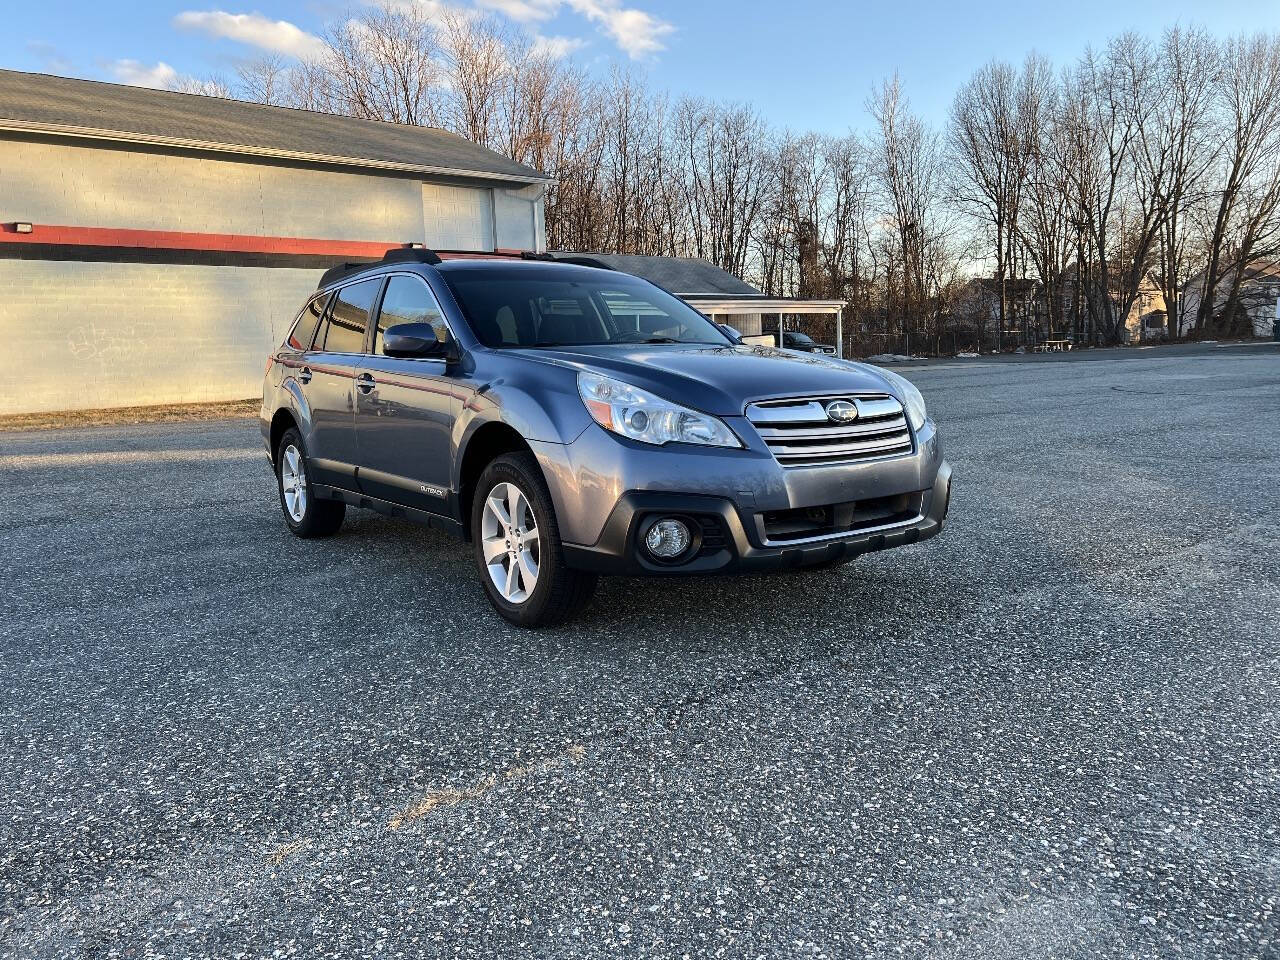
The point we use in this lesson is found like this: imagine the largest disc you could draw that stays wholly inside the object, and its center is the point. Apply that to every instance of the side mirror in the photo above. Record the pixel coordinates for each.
(413, 340)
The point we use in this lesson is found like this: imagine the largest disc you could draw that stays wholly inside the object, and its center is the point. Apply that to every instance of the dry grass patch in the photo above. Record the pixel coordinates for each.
(166, 413)
(286, 850)
(447, 797)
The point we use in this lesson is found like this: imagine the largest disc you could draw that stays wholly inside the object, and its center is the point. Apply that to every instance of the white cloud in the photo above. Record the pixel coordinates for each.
(524, 11)
(636, 32)
(556, 47)
(278, 36)
(161, 76)
(429, 9)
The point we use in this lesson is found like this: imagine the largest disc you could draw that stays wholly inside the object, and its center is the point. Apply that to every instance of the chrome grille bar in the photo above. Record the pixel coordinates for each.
(799, 432)
(895, 424)
(849, 451)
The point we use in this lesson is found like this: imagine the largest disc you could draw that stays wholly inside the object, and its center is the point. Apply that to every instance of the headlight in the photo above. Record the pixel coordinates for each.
(910, 397)
(639, 415)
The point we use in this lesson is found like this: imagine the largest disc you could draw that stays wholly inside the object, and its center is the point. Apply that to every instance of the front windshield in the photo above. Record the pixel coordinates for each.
(555, 308)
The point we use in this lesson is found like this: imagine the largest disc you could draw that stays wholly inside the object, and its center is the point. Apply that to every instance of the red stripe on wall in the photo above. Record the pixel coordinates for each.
(175, 240)
(51, 235)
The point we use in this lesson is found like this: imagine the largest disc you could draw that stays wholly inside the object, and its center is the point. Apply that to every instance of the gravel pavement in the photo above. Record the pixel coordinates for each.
(1053, 731)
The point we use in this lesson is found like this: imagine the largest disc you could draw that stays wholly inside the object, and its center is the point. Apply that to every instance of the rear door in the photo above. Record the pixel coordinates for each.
(405, 409)
(330, 370)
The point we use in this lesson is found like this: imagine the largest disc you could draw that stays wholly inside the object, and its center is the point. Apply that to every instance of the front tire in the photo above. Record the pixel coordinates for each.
(306, 515)
(517, 547)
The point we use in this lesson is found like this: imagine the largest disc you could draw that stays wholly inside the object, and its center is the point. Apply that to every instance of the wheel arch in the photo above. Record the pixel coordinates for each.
(281, 423)
(293, 411)
(484, 445)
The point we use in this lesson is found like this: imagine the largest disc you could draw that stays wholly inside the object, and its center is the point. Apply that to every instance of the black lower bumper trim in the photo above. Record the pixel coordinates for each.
(619, 553)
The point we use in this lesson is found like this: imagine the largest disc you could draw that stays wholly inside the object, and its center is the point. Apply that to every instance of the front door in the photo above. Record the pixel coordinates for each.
(405, 409)
(329, 371)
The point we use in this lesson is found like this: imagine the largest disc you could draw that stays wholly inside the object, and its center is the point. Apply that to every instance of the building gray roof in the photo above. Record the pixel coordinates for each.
(686, 276)
(41, 103)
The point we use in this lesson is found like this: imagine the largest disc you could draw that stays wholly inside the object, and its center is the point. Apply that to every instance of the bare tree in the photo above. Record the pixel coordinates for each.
(476, 51)
(1135, 70)
(1245, 222)
(845, 230)
(1098, 127)
(908, 163)
(726, 151)
(265, 79)
(1045, 225)
(383, 65)
(211, 86)
(1176, 149)
(989, 144)
(1151, 155)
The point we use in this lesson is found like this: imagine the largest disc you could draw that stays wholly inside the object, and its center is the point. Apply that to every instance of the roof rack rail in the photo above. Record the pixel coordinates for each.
(534, 255)
(408, 253)
(411, 253)
(338, 271)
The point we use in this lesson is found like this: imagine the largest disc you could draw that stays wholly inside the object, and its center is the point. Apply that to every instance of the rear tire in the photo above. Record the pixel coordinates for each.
(306, 515)
(517, 547)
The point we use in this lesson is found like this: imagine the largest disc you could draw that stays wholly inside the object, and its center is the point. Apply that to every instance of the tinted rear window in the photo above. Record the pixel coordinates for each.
(349, 317)
(305, 329)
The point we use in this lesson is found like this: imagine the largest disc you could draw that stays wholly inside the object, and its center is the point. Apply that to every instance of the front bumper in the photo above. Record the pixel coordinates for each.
(741, 546)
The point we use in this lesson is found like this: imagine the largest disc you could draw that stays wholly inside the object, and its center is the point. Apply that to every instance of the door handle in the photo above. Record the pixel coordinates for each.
(305, 374)
(365, 382)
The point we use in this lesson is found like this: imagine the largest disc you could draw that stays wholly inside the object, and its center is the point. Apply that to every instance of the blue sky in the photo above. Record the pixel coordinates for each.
(804, 65)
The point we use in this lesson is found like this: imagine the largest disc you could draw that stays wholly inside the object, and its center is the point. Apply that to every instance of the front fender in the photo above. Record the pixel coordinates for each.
(542, 410)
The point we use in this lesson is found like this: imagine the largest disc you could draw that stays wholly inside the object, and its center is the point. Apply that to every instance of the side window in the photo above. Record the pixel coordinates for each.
(305, 326)
(349, 318)
(409, 300)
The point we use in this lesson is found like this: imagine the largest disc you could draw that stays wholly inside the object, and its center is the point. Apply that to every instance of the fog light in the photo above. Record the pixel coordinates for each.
(667, 539)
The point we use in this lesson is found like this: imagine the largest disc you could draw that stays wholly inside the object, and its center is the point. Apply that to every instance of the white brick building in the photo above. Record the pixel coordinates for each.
(153, 245)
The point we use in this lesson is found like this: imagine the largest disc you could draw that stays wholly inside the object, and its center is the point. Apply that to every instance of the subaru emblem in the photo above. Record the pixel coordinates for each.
(841, 411)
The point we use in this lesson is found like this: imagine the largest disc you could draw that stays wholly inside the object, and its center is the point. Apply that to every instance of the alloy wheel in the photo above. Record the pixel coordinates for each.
(293, 483)
(511, 543)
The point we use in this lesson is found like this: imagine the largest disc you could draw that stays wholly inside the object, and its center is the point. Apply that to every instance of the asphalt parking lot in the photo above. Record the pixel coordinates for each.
(1054, 731)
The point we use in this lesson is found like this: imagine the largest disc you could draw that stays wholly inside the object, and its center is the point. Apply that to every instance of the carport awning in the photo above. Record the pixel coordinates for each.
(727, 306)
(763, 304)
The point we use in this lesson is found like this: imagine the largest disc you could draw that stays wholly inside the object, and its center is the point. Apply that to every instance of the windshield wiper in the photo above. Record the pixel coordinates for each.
(635, 336)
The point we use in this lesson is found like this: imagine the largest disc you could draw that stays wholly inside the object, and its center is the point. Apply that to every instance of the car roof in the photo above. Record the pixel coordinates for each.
(508, 266)
(547, 269)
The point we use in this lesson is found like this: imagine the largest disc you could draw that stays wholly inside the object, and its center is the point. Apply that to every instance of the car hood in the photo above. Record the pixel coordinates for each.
(718, 380)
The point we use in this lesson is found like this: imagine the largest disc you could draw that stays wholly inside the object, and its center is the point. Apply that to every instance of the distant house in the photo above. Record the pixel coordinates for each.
(1147, 318)
(978, 307)
(1029, 318)
(1255, 308)
(716, 293)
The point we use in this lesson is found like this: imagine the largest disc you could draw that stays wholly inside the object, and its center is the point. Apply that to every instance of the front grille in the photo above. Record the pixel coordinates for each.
(800, 432)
